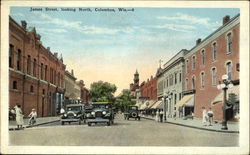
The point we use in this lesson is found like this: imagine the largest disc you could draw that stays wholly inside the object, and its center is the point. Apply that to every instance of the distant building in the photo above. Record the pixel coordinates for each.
(36, 76)
(134, 86)
(84, 92)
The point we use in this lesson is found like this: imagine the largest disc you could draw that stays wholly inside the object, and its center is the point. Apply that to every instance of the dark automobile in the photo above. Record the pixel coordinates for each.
(73, 113)
(132, 112)
(101, 112)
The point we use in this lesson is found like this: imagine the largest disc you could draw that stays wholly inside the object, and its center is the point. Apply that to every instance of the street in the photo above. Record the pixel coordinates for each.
(122, 133)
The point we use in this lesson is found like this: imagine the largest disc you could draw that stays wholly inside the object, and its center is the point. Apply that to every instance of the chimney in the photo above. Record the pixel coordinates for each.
(198, 41)
(24, 24)
(226, 19)
(56, 54)
(72, 72)
(48, 48)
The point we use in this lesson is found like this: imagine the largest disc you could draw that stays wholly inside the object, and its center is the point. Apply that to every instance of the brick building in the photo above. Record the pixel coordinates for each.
(84, 92)
(148, 89)
(135, 86)
(35, 74)
(206, 62)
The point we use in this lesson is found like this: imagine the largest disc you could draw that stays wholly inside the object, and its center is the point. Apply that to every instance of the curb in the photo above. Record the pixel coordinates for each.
(30, 126)
(214, 130)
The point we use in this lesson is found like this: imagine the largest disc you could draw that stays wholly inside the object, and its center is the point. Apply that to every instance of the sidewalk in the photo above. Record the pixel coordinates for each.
(233, 127)
(39, 121)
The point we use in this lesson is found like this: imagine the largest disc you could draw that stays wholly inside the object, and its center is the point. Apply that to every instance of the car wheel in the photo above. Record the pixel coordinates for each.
(79, 122)
(62, 123)
(89, 124)
(69, 122)
(139, 118)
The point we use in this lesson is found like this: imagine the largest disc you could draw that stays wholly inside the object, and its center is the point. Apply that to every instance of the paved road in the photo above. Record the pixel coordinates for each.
(122, 133)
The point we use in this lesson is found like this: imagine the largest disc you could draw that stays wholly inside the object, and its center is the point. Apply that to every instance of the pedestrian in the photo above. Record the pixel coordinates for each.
(210, 116)
(32, 116)
(161, 115)
(157, 115)
(19, 116)
(204, 116)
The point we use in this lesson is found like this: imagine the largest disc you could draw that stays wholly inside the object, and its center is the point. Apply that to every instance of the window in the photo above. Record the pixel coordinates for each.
(186, 66)
(11, 52)
(171, 80)
(167, 81)
(186, 84)
(28, 64)
(175, 78)
(214, 51)
(180, 77)
(18, 60)
(213, 74)
(14, 86)
(193, 82)
(193, 62)
(42, 71)
(34, 67)
(43, 91)
(203, 57)
(202, 79)
(229, 43)
(46, 68)
(179, 96)
(229, 70)
(31, 89)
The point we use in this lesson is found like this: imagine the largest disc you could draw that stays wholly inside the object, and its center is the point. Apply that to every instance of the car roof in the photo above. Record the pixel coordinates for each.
(99, 103)
(74, 105)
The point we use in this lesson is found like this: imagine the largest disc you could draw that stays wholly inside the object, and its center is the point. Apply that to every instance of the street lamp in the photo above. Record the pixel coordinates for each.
(164, 108)
(224, 86)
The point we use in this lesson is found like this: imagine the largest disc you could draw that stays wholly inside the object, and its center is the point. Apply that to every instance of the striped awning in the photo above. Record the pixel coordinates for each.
(234, 90)
(156, 104)
(151, 104)
(188, 100)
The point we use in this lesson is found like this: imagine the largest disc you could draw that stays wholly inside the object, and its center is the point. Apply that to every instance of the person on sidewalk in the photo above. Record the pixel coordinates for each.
(19, 116)
(161, 115)
(204, 116)
(32, 116)
(210, 116)
(157, 116)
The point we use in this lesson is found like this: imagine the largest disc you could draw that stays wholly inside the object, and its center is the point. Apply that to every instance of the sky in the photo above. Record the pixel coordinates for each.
(111, 45)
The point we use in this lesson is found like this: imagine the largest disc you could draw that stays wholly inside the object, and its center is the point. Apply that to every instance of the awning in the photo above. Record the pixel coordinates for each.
(234, 90)
(156, 104)
(151, 104)
(185, 100)
(160, 106)
(144, 105)
(190, 102)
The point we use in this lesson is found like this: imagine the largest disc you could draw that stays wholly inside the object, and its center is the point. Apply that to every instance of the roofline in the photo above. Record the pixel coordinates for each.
(175, 56)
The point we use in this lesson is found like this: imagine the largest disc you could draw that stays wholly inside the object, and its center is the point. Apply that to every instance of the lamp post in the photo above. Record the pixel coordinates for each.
(164, 108)
(224, 86)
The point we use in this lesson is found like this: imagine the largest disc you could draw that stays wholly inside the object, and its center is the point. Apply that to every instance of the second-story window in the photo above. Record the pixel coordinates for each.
(193, 82)
(186, 84)
(46, 70)
(180, 78)
(28, 64)
(229, 43)
(229, 70)
(171, 80)
(214, 51)
(175, 78)
(213, 76)
(193, 62)
(202, 77)
(186, 66)
(18, 59)
(34, 68)
(11, 52)
(42, 71)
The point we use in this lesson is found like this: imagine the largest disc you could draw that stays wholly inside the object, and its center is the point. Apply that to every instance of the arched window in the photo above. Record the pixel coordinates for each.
(42, 71)
(229, 70)
(186, 84)
(203, 57)
(214, 51)
(14, 85)
(34, 68)
(193, 62)
(213, 76)
(202, 77)
(18, 59)
(229, 43)
(193, 82)
(28, 64)
(31, 89)
(186, 66)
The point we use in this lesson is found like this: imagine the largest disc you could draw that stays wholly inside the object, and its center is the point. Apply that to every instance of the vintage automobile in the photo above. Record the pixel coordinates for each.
(101, 112)
(73, 113)
(132, 112)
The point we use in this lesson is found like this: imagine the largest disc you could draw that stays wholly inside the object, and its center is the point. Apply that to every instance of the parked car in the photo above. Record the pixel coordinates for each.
(101, 112)
(132, 112)
(73, 113)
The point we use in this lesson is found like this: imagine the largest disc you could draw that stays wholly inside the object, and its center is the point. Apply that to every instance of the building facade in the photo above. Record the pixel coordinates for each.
(84, 92)
(148, 89)
(216, 55)
(135, 86)
(35, 74)
(172, 82)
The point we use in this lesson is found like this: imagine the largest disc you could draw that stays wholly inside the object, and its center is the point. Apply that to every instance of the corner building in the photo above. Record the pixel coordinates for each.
(216, 55)
(36, 76)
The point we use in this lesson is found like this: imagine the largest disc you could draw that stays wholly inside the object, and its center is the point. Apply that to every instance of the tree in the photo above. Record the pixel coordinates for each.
(124, 100)
(102, 92)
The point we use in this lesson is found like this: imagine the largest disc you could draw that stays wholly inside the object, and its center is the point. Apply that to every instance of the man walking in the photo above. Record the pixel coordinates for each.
(161, 115)
(210, 116)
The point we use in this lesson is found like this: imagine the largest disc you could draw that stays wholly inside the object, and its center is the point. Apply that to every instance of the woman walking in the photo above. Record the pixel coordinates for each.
(19, 116)
(204, 116)
(157, 116)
